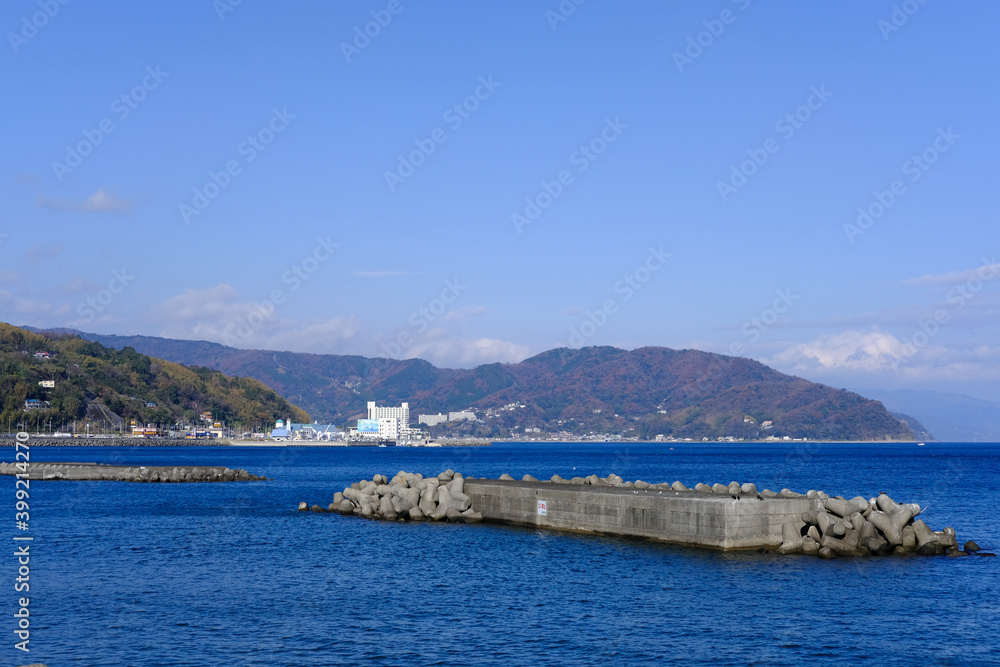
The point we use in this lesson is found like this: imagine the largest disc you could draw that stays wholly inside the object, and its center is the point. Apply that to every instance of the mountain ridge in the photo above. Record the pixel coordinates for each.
(645, 392)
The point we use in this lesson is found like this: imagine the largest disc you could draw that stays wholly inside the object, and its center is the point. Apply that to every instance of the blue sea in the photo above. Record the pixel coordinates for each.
(232, 574)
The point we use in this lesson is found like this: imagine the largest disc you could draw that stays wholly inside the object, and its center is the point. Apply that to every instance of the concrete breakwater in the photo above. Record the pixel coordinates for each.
(77, 472)
(720, 516)
(43, 441)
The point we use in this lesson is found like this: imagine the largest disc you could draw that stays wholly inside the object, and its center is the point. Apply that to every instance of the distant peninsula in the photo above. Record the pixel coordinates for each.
(596, 393)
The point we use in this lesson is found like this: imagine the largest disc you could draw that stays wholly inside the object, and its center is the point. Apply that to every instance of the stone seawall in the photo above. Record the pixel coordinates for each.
(683, 517)
(99, 472)
(42, 441)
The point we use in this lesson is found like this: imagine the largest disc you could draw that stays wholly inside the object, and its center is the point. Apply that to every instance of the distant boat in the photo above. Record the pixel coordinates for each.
(920, 444)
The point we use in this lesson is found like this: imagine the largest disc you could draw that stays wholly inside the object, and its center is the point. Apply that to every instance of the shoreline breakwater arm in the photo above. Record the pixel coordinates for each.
(730, 516)
(94, 472)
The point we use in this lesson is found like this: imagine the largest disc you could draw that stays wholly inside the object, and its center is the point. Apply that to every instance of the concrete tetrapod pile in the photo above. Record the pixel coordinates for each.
(406, 497)
(859, 527)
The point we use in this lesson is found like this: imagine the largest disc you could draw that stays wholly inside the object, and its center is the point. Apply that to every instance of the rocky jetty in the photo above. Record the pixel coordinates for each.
(405, 497)
(116, 473)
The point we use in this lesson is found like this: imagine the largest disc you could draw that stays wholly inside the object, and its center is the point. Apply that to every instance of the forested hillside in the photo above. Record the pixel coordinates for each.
(86, 375)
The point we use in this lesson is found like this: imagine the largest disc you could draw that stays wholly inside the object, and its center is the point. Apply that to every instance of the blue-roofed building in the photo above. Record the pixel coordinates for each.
(279, 430)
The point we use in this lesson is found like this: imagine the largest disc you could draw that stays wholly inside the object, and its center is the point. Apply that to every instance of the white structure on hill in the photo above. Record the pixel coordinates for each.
(432, 420)
(440, 418)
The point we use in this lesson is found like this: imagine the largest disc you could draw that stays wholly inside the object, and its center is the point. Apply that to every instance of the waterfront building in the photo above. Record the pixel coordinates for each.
(402, 413)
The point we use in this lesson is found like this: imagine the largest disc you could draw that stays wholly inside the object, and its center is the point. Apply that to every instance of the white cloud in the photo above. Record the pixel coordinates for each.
(102, 201)
(99, 202)
(10, 277)
(858, 357)
(384, 274)
(850, 350)
(41, 251)
(32, 307)
(462, 313)
(218, 314)
(442, 349)
(986, 271)
(79, 286)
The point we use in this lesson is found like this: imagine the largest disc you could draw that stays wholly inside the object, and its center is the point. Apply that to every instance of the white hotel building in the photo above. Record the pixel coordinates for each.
(402, 413)
(386, 424)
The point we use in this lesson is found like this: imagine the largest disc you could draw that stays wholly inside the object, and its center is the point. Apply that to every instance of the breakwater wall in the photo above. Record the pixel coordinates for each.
(721, 516)
(42, 441)
(95, 472)
(684, 517)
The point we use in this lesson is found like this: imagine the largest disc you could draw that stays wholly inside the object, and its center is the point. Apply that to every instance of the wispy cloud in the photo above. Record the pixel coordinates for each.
(39, 251)
(10, 277)
(462, 313)
(79, 286)
(985, 271)
(99, 202)
(384, 274)
(102, 201)
(217, 314)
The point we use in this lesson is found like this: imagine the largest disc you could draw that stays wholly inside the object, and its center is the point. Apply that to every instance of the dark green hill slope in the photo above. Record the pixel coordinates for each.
(87, 374)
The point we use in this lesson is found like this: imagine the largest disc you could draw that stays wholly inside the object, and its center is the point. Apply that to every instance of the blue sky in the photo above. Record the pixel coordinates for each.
(477, 182)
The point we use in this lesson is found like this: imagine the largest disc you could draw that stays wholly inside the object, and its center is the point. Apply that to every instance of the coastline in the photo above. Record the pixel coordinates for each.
(48, 441)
